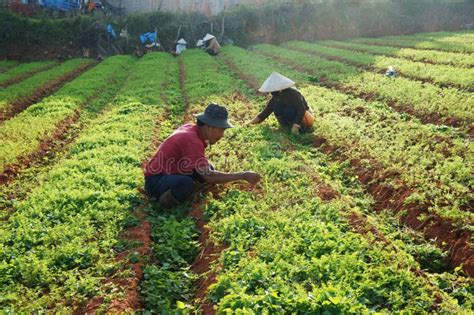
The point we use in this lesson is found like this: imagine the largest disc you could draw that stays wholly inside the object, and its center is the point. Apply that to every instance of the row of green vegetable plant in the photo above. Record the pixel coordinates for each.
(290, 251)
(7, 64)
(441, 74)
(23, 133)
(24, 70)
(58, 245)
(164, 243)
(169, 283)
(30, 86)
(423, 155)
(430, 56)
(94, 95)
(429, 44)
(421, 98)
(465, 37)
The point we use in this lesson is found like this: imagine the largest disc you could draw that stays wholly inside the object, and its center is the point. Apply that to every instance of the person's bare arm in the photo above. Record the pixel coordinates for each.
(215, 177)
(254, 121)
(263, 114)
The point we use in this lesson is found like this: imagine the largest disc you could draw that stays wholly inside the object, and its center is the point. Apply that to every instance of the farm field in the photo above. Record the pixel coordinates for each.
(371, 212)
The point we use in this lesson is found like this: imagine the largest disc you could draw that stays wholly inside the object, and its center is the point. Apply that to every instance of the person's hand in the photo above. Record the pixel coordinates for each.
(254, 121)
(295, 128)
(252, 177)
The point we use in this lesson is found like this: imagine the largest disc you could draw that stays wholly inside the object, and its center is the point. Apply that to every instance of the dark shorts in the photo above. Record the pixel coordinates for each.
(181, 186)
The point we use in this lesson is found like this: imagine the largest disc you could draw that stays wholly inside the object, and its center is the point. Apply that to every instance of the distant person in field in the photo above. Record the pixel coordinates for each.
(289, 106)
(180, 47)
(211, 44)
(137, 52)
(200, 44)
(180, 167)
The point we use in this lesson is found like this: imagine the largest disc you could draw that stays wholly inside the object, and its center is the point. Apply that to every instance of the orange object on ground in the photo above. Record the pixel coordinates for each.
(308, 119)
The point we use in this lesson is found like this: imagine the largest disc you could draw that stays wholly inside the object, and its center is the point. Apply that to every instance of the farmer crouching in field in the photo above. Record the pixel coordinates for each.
(288, 105)
(180, 166)
(211, 44)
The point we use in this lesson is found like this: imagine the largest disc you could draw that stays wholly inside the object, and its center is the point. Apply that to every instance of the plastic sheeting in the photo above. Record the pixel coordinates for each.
(111, 31)
(149, 37)
(62, 5)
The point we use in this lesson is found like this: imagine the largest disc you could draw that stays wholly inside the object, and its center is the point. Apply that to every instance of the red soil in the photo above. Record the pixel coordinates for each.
(432, 118)
(249, 79)
(131, 300)
(362, 226)
(447, 236)
(47, 148)
(202, 264)
(25, 76)
(45, 90)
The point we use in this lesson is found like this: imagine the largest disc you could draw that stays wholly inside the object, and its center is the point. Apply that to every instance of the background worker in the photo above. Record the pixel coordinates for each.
(288, 105)
(180, 165)
(180, 46)
(211, 44)
(200, 44)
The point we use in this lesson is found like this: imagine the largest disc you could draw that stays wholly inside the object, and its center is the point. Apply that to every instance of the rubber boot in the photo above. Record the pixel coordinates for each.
(167, 200)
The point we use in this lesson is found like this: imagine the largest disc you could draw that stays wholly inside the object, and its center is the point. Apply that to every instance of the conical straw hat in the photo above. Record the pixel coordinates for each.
(275, 82)
(181, 41)
(208, 37)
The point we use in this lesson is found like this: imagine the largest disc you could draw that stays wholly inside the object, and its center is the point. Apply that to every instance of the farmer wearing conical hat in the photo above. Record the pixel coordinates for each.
(200, 44)
(288, 105)
(180, 166)
(211, 44)
(180, 46)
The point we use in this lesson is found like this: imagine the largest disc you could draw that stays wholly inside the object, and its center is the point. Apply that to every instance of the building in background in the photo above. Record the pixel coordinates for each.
(208, 7)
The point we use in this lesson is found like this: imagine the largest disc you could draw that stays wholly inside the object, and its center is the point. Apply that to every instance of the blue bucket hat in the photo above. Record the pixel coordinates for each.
(215, 115)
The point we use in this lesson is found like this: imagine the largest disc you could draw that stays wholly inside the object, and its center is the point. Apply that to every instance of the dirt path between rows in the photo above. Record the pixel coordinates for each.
(49, 147)
(202, 265)
(26, 75)
(370, 68)
(366, 51)
(140, 235)
(132, 301)
(447, 237)
(427, 118)
(45, 90)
